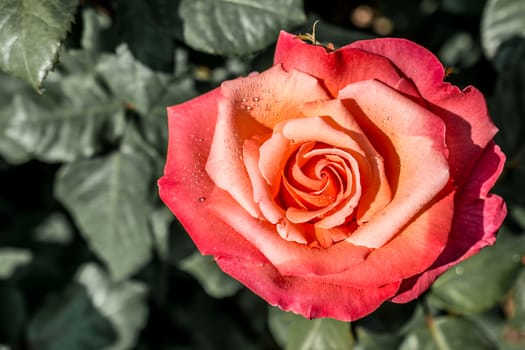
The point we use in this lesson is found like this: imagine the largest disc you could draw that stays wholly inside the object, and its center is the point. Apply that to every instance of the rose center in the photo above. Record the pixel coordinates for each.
(317, 180)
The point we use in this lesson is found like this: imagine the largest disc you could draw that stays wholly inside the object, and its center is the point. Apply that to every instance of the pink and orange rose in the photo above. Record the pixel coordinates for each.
(336, 180)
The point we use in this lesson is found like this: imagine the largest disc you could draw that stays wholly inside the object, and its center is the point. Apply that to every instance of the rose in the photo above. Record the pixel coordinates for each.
(336, 180)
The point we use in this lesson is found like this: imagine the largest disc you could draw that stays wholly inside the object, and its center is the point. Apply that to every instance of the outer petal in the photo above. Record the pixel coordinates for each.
(477, 218)
(411, 252)
(289, 258)
(306, 297)
(272, 96)
(336, 69)
(469, 128)
(411, 139)
(414, 61)
(185, 186)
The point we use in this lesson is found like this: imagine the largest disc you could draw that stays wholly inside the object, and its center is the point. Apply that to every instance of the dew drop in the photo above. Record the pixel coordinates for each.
(248, 108)
(459, 270)
(389, 118)
(244, 99)
(256, 99)
(275, 114)
(202, 199)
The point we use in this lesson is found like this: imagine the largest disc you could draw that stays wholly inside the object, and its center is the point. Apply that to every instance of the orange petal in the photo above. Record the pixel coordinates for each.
(261, 190)
(412, 140)
(274, 95)
(225, 164)
(411, 252)
(290, 258)
(375, 185)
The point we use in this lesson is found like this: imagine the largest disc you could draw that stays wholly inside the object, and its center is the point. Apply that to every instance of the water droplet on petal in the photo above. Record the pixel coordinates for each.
(256, 99)
(202, 199)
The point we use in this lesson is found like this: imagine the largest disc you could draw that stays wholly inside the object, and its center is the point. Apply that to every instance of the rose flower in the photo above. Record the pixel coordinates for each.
(337, 179)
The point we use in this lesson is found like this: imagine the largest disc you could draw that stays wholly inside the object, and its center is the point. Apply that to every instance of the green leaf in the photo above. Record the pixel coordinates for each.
(517, 212)
(294, 332)
(215, 282)
(94, 26)
(228, 27)
(131, 81)
(11, 259)
(481, 281)
(516, 303)
(447, 333)
(140, 25)
(122, 303)
(505, 334)
(107, 196)
(147, 91)
(506, 106)
(31, 32)
(69, 321)
(501, 20)
(460, 50)
(153, 125)
(370, 340)
(55, 229)
(161, 219)
(166, 13)
(71, 121)
(322, 333)
(11, 150)
(279, 322)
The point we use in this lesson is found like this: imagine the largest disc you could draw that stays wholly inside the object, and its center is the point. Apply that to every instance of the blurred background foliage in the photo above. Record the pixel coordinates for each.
(89, 256)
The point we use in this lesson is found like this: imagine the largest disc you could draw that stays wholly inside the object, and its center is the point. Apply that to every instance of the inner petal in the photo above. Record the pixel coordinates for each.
(412, 141)
(325, 189)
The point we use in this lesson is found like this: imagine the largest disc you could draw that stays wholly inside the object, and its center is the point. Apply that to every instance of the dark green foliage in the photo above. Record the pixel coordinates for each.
(89, 256)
